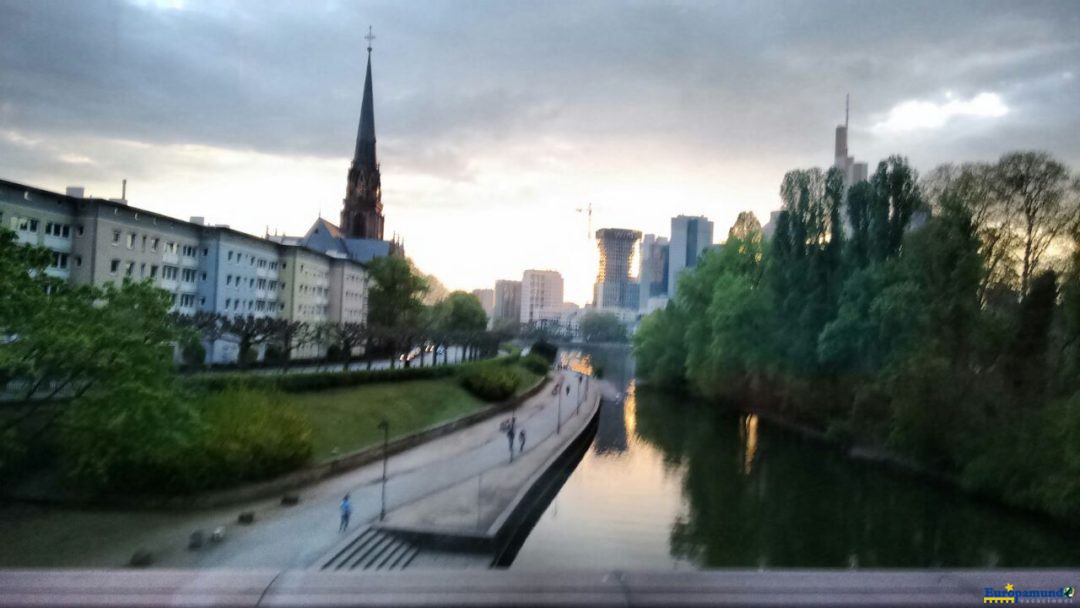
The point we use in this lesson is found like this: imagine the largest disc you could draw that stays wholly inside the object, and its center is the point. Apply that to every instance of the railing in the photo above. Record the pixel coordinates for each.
(528, 588)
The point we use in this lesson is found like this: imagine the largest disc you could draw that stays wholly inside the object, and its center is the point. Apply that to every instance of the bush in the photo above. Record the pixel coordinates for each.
(490, 382)
(536, 364)
(545, 349)
(151, 443)
(252, 435)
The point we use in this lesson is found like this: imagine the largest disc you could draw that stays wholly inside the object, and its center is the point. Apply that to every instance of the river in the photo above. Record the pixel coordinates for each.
(671, 483)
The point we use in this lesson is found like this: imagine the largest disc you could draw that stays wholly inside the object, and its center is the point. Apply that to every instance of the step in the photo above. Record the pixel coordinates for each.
(369, 549)
(390, 557)
(342, 557)
(377, 556)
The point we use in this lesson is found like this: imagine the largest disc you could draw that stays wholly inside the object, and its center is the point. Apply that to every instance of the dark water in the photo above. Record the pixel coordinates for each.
(670, 483)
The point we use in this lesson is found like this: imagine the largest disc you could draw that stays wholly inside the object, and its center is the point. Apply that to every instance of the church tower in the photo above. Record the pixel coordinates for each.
(362, 215)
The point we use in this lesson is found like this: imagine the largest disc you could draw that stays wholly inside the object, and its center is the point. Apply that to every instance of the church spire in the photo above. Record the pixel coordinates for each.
(365, 136)
(361, 214)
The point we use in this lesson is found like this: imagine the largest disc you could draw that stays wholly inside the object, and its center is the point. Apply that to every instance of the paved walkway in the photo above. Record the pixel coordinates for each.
(281, 537)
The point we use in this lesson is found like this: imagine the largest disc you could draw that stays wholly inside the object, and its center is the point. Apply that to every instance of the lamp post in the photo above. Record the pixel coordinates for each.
(558, 414)
(578, 394)
(385, 426)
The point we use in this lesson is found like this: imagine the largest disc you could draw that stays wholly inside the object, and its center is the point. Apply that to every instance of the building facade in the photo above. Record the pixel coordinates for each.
(653, 274)
(690, 237)
(204, 268)
(507, 306)
(487, 300)
(614, 287)
(541, 296)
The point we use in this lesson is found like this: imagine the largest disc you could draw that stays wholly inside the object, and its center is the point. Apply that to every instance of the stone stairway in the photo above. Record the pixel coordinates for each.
(373, 549)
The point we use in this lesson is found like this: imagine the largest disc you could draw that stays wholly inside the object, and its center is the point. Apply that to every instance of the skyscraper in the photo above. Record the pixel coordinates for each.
(613, 282)
(653, 275)
(362, 214)
(853, 171)
(690, 236)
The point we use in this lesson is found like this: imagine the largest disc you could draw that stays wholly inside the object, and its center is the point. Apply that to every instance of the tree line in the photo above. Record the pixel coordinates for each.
(937, 319)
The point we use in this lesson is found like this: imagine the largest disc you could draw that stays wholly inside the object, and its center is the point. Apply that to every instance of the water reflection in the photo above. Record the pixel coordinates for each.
(671, 483)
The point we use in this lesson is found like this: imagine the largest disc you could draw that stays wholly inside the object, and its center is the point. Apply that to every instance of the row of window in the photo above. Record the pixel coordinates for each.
(310, 309)
(29, 224)
(318, 291)
(256, 305)
(168, 273)
(230, 280)
(149, 243)
(238, 257)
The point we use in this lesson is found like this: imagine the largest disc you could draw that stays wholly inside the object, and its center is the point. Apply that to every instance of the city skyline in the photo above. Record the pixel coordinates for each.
(504, 122)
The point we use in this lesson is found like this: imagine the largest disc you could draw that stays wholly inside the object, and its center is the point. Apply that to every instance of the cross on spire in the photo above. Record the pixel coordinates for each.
(369, 38)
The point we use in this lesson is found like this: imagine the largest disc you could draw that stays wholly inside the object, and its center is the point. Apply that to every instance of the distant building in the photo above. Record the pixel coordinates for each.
(541, 295)
(690, 236)
(487, 300)
(853, 172)
(507, 306)
(653, 273)
(614, 287)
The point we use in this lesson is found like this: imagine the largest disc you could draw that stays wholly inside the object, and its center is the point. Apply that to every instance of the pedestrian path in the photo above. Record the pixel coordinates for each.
(467, 499)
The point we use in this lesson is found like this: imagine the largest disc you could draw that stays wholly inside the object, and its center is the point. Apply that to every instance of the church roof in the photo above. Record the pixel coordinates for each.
(326, 237)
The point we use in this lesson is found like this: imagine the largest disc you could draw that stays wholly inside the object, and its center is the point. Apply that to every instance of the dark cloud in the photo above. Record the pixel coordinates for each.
(454, 79)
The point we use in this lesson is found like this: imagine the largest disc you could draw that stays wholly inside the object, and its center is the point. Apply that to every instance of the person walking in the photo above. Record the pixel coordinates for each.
(521, 437)
(510, 438)
(346, 511)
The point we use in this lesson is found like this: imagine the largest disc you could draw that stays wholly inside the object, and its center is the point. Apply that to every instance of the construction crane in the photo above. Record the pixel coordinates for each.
(587, 210)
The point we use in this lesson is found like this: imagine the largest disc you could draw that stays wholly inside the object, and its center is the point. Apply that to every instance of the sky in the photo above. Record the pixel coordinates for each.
(498, 121)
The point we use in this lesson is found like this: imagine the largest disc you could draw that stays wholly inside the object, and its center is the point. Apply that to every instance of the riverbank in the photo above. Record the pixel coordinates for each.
(769, 406)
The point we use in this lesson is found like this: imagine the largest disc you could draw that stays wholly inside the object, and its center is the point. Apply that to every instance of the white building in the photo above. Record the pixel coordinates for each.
(541, 296)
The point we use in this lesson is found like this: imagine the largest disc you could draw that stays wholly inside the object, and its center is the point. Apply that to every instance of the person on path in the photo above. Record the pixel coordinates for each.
(346, 511)
(510, 438)
(521, 436)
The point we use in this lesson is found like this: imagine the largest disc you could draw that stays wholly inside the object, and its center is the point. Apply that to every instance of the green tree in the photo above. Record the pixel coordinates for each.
(602, 327)
(460, 311)
(396, 297)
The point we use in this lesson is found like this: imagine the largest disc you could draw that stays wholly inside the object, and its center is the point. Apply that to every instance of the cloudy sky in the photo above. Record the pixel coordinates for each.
(497, 120)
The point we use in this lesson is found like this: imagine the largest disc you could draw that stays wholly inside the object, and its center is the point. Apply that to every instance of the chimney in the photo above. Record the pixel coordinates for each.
(76, 191)
(198, 220)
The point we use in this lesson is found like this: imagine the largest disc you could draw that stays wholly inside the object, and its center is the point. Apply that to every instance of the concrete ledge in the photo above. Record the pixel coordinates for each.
(243, 588)
(289, 481)
(493, 539)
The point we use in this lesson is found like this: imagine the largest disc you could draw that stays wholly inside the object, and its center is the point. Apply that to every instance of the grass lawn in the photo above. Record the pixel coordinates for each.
(347, 418)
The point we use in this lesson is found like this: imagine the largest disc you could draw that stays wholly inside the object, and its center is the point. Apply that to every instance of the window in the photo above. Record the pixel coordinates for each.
(60, 230)
(203, 277)
(144, 242)
(154, 243)
(129, 270)
(170, 247)
(273, 265)
(205, 252)
(202, 301)
(230, 255)
(169, 273)
(115, 237)
(153, 271)
(189, 251)
(142, 270)
(228, 279)
(262, 284)
(188, 275)
(78, 260)
(114, 266)
(228, 301)
(251, 282)
(131, 240)
(27, 224)
(60, 260)
(187, 300)
(79, 230)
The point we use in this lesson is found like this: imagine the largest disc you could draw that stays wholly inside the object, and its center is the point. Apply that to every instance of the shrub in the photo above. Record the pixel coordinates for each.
(545, 349)
(252, 435)
(490, 382)
(536, 364)
(155, 443)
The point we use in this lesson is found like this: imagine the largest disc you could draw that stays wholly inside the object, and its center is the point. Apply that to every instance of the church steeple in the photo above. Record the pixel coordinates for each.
(362, 216)
(365, 135)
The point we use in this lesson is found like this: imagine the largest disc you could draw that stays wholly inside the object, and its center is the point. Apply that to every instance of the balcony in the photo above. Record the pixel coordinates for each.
(57, 243)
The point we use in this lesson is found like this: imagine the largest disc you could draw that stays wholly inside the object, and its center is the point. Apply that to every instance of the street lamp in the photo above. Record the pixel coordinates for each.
(558, 415)
(578, 393)
(385, 426)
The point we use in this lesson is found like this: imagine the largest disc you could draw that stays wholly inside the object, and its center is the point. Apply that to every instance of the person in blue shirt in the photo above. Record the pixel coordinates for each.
(346, 511)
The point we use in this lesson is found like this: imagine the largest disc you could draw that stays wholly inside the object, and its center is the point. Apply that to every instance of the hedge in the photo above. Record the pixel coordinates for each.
(325, 380)
(490, 382)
